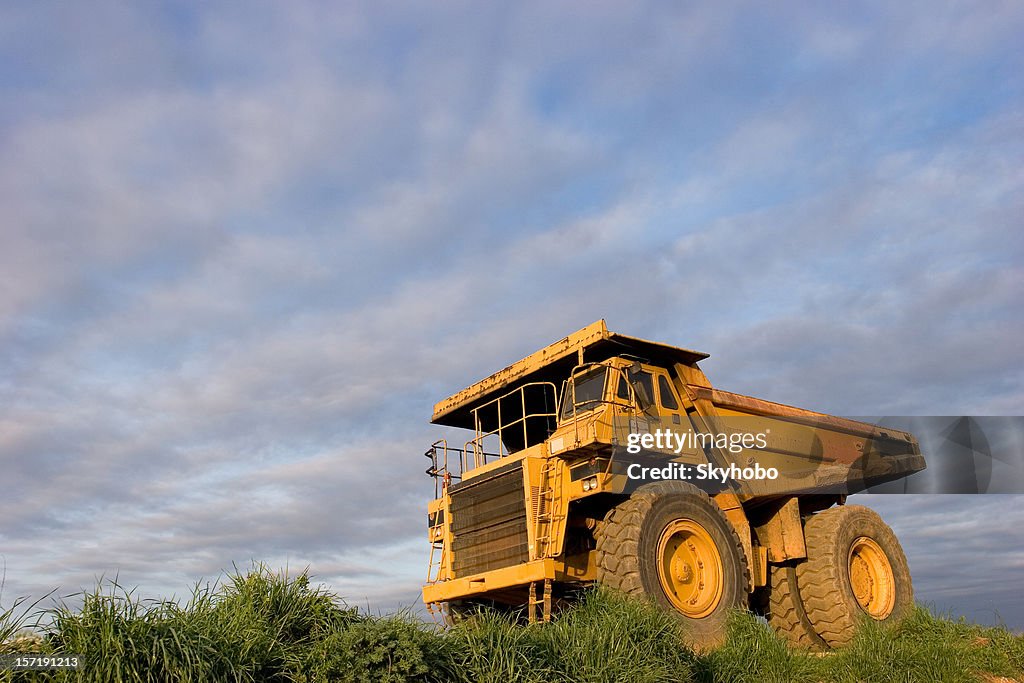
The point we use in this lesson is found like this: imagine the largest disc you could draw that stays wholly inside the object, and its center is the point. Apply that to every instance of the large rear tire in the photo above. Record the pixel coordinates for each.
(673, 544)
(855, 569)
(786, 612)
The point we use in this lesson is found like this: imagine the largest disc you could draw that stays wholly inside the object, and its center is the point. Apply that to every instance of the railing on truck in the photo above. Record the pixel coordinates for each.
(509, 422)
(508, 428)
(438, 469)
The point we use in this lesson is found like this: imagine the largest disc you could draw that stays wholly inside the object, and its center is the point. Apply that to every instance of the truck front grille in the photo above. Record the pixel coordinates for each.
(488, 521)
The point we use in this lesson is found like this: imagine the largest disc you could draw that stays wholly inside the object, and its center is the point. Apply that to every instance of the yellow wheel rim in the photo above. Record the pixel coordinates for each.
(690, 568)
(874, 585)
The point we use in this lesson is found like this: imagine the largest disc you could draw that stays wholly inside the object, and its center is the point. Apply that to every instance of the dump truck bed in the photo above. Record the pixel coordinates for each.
(815, 452)
(749, 405)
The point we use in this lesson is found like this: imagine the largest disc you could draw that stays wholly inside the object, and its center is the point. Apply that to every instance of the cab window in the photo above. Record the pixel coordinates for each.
(587, 390)
(643, 385)
(623, 390)
(668, 397)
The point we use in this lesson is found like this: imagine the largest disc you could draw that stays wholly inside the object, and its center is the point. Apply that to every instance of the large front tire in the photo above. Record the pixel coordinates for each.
(671, 543)
(855, 569)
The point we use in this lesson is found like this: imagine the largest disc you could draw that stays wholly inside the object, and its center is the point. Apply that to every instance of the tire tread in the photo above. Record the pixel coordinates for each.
(822, 576)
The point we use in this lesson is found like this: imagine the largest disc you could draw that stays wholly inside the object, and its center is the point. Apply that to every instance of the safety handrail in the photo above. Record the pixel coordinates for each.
(442, 475)
(476, 444)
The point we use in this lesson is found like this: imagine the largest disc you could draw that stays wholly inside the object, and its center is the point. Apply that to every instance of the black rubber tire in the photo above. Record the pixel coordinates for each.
(627, 549)
(786, 612)
(824, 579)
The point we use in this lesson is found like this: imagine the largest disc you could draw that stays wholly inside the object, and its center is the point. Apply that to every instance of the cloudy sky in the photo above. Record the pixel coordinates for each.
(245, 247)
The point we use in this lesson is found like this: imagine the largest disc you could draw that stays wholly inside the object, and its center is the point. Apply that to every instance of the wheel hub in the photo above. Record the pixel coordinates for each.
(690, 568)
(871, 577)
(683, 572)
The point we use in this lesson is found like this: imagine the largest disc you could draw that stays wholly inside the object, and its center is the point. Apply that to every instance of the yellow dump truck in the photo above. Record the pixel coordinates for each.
(612, 459)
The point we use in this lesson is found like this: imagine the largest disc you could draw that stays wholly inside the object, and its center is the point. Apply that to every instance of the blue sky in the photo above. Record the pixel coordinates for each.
(246, 246)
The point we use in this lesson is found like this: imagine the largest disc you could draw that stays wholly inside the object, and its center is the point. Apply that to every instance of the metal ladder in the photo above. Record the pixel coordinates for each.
(434, 565)
(539, 608)
(437, 553)
(550, 481)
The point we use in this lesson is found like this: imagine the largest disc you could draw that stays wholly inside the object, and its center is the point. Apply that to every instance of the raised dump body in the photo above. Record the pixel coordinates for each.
(608, 458)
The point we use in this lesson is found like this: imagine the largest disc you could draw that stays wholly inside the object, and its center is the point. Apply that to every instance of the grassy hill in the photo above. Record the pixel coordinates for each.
(266, 626)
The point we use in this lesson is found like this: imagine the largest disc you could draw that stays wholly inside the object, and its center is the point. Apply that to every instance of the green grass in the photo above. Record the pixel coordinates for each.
(605, 639)
(928, 648)
(268, 626)
(924, 647)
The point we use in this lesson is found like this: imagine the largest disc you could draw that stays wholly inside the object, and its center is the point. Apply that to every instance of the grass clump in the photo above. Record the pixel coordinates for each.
(120, 636)
(15, 629)
(609, 637)
(267, 626)
(493, 647)
(925, 647)
(393, 649)
(255, 627)
(922, 648)
(605, 638)
(268, 622)
(754, 652)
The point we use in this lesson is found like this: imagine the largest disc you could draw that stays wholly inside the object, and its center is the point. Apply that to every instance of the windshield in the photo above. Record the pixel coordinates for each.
(587, 390)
